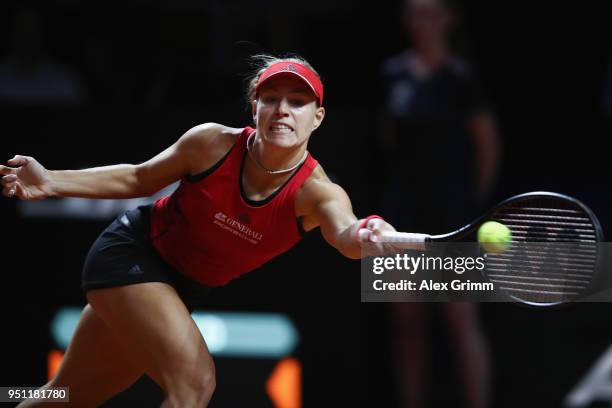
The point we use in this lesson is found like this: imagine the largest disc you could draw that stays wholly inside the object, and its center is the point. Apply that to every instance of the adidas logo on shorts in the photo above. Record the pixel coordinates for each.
(135, 270)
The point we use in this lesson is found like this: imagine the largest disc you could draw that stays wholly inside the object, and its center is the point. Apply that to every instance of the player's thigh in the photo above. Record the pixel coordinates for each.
(151, 320)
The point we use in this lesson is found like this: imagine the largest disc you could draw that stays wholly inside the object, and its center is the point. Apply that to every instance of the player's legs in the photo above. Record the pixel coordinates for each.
(471, 350)
(95, 366)
(153, 323)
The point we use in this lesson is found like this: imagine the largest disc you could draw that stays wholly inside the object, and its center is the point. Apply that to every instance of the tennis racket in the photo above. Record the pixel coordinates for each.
(554, 256)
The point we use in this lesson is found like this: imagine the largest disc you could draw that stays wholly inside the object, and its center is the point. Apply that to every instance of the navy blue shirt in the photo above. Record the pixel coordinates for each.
(433, 163)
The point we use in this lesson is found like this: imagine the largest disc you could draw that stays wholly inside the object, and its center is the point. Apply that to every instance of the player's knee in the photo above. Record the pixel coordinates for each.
(204, 381)
(208, 386)
(195, 387)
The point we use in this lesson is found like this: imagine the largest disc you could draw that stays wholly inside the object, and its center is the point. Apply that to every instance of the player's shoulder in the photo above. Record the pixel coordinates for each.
(319, 187)
(317, 191)
(211, 133)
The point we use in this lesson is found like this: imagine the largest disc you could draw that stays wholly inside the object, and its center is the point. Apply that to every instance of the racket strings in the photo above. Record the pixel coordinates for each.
(553, 255)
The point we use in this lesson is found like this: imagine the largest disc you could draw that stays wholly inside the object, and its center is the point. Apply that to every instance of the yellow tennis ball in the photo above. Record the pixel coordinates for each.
(494, 237)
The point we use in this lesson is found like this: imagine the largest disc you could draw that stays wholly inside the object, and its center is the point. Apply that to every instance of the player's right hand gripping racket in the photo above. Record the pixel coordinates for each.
(554, 256)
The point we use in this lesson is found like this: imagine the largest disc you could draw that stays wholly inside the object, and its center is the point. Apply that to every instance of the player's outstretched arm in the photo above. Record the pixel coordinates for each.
(26, 178)
(340, 227)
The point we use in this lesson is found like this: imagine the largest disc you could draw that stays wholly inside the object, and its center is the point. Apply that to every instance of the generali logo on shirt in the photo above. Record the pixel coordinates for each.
(237, 228)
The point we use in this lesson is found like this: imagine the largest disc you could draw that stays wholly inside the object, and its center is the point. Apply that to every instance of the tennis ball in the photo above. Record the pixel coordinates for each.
(494, 237)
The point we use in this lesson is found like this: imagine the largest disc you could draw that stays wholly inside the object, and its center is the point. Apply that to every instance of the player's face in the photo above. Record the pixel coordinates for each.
(286, 112)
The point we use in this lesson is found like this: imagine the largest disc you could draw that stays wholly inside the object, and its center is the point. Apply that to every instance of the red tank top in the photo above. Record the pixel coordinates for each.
(210, 231)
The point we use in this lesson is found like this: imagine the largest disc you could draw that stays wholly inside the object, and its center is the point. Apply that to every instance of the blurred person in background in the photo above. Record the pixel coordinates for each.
(442, 151)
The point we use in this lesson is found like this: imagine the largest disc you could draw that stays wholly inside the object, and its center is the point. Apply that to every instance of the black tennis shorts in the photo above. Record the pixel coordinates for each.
(124, 255)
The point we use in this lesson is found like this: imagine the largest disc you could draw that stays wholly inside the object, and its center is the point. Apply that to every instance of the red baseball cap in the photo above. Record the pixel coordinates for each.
(294, 69)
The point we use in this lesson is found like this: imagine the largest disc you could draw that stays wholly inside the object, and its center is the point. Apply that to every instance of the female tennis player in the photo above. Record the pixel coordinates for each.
(244, 197)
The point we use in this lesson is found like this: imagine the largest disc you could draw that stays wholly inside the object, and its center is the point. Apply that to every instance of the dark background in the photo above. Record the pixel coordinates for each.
(151, 70)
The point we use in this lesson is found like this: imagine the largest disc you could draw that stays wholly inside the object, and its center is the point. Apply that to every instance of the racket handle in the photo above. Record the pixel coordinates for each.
(413, 240)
